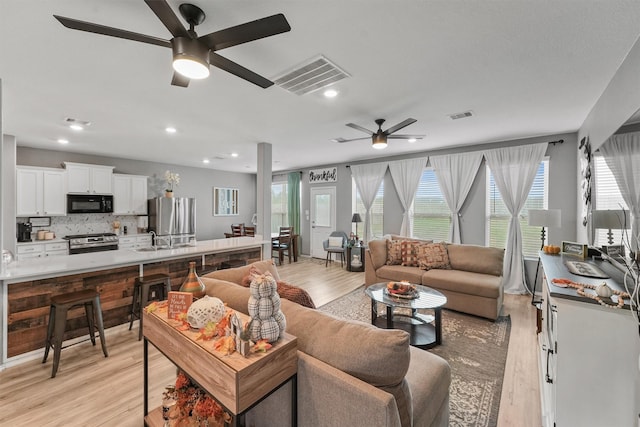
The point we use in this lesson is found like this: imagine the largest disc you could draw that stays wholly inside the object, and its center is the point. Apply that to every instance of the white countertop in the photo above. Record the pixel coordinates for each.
(34, 269)
(39, 242)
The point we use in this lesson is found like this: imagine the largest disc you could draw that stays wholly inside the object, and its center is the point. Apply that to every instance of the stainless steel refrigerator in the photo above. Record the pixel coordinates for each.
(173, 220)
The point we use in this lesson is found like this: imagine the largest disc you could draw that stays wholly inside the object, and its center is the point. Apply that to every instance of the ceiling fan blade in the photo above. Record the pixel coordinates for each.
(238, 70)
(360, 128)
(396, 136)
(163, 11)
(243, 33)
(75, 24)
(399, 126)
(341, 140)
(179, 80)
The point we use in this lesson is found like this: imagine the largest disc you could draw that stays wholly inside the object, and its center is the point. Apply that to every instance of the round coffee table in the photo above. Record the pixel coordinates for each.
(425, 329)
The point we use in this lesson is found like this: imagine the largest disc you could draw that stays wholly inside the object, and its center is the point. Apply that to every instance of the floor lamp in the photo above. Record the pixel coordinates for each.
(542, 218)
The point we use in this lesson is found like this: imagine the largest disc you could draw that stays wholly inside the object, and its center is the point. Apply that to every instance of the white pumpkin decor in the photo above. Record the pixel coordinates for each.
(206, 309)
(604, 291)
(264, 308)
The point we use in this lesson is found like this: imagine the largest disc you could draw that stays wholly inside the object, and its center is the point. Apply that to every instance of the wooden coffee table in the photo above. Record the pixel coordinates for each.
(425, 329)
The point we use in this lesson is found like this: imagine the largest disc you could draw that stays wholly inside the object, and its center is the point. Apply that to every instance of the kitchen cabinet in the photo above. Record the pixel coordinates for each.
(588, 354)
(129, 194)
(40, 191)
(135, 242)
(89, 179)
(41, 250)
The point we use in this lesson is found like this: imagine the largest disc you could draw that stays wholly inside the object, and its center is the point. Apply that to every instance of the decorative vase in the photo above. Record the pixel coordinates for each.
(168, 194)
(192, 282)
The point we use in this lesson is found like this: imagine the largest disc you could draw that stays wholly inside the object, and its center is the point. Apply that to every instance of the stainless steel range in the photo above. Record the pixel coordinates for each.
(84, 243)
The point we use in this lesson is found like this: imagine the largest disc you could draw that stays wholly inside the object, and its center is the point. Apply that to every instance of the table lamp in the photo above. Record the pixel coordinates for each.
(611, 220)
(356, 218)
(542, 218)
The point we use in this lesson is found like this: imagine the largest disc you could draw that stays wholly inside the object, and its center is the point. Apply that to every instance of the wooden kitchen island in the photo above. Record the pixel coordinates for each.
(27, 286)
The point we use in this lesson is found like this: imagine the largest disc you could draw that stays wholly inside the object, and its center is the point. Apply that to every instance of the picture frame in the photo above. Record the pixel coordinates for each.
(225, 201)
(573, 248)
(614, 250)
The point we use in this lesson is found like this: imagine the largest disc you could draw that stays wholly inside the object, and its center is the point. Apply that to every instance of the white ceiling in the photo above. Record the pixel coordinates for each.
(524, 67)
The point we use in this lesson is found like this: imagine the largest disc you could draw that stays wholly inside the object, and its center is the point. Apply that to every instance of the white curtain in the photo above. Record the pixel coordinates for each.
(622, 154)
(368, 178)
(406, 176)
(455, 173)
(514, 169)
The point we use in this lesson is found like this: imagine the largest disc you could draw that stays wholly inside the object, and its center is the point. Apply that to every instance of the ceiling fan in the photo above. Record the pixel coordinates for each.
(379, 138)
(192, 55)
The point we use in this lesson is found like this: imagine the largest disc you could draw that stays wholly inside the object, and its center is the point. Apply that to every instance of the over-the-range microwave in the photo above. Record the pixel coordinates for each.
(86, 203)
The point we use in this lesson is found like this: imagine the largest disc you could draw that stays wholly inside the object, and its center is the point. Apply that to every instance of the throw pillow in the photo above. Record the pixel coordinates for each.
(335, 242)
(409, 257)
(394, 252)
(433, 255)
(285, 290)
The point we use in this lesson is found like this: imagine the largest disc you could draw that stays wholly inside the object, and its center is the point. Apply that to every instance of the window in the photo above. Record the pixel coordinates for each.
(377, 212)
(498, 216)
(279, 203)
(431, 215)
(607, 196)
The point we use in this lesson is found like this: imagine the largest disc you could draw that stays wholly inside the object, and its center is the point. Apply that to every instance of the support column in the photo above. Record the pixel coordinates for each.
(263, 195)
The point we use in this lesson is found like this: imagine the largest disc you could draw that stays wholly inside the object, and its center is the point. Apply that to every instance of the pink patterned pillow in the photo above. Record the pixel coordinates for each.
(409, 257)
(433, 255)
(394, 252)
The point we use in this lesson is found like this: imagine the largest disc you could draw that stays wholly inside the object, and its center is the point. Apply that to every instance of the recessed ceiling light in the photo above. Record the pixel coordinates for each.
(205, 161)
(412, 140)
(63, 141)
(330, 93)
(234, 154)
(170, 129)
(76, 126)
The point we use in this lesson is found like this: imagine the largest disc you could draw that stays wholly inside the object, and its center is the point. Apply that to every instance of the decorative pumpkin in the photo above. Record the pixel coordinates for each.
(268, 321)
(604, 291)
(206, 309)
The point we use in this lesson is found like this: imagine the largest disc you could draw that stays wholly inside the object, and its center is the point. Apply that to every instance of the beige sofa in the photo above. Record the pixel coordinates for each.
(473, 284)
(350, 373)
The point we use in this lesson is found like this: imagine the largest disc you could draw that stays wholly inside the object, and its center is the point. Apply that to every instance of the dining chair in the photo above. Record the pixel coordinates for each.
(250, 231)
(282, 243)
(237, 230)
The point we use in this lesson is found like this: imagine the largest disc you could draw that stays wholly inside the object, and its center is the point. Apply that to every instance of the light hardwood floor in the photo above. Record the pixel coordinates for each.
(91, 390)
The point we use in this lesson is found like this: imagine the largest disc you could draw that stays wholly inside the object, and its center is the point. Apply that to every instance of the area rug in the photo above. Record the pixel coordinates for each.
(475, 348)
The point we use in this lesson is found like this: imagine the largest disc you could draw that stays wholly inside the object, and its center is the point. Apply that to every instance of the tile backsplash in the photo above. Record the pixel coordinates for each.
(87, 223)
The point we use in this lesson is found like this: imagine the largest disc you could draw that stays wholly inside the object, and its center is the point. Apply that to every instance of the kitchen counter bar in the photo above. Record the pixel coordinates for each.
(27, 286)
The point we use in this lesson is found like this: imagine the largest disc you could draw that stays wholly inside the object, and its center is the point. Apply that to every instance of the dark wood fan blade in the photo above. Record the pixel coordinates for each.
(243, 33)
(399, 126)
(75, 24)
(179, 80)
(396, 136)
(360, 128)
(341, 140)
(238, 70)
(169, 19)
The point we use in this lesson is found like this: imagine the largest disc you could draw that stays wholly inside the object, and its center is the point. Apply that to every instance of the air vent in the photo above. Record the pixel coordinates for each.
(310, 76)
(461, 115)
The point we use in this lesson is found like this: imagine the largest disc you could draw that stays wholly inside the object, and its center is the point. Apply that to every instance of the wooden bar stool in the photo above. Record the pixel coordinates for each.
(154, 287)
(60, 305)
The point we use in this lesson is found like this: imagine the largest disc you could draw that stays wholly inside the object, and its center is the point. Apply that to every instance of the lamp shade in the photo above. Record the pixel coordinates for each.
(190, 57)
(544, 217)
(356, 218)
(379, 141)
(611, 219)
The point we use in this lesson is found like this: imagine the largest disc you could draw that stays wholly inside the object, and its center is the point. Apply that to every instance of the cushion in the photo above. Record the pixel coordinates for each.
(378, 251)
(408, 251)
(236, 275)
(478, 259)
(335, 242)
(464, 282)
(394, 252)
(285, 290)
(433, 255)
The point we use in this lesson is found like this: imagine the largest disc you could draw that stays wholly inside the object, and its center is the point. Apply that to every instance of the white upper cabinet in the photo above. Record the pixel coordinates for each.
(40, 191)
(129, 194)
(89, 179)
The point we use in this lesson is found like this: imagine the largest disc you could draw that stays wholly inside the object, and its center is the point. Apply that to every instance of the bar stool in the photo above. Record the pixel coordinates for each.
(60, 305)
(142, 294)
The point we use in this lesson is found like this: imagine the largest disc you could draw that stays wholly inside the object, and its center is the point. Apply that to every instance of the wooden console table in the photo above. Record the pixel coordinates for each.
(238, 383)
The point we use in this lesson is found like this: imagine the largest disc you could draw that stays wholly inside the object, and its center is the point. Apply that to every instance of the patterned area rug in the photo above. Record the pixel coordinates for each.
(475, 348)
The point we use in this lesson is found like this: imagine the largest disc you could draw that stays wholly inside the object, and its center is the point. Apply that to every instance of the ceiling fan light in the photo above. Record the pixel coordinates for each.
(190, 58)
(379, 141)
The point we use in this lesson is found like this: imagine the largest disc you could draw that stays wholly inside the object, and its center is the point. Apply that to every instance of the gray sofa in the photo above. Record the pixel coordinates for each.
(350, 373)
(473, 285)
